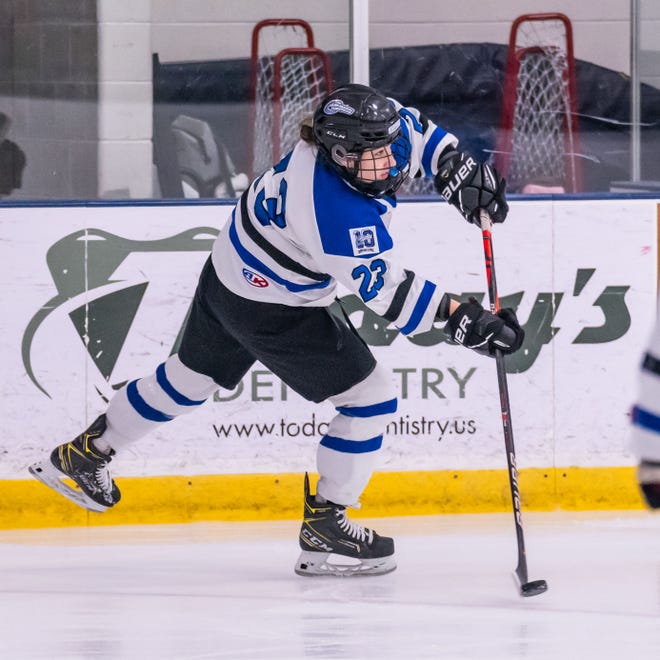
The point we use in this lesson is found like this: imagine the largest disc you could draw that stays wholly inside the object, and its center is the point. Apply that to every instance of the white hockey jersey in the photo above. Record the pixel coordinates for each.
(300, 229)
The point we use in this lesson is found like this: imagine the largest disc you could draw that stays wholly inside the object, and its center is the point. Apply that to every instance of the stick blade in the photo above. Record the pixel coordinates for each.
(533, 588)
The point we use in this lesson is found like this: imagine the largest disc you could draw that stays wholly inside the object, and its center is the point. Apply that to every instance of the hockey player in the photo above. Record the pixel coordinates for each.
(646, 421)
(317, 218)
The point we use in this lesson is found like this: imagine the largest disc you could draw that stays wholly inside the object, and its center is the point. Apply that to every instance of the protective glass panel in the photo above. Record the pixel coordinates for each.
(648, 61)
(543, 92)
(156, 99)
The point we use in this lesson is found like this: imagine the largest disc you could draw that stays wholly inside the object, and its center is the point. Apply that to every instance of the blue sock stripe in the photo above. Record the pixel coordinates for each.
(142, 407)
(645, 419)
(382, 408)
(168, 388)
(352, 446)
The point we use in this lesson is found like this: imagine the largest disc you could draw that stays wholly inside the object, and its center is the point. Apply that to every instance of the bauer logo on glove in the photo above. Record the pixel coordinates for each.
(454, 179)
(471, 187)
(474, 327)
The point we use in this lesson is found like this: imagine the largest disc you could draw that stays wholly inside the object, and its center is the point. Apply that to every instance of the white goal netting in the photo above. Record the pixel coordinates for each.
(289, 78)
(302, 79)
(538, 135)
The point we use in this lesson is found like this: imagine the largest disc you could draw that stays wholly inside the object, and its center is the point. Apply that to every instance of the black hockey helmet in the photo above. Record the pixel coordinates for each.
(353, 119)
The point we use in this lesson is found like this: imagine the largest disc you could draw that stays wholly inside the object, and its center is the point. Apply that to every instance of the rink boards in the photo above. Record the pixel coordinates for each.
(97, 295)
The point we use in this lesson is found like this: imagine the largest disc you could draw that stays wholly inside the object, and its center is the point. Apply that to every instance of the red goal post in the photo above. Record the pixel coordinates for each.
(538, 135)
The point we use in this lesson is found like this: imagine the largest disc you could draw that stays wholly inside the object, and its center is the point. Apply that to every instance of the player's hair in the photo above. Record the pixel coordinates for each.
(307, 130)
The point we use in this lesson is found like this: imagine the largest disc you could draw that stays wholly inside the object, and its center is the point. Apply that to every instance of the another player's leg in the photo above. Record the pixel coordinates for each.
(133, 412)
(645, 418)
(331, 543)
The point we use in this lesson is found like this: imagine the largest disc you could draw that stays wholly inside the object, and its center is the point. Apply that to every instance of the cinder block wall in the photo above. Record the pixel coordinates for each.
(49, 90)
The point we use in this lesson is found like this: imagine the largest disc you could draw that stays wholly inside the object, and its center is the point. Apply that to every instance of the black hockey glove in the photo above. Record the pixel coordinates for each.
(471, 186)
(648, 475)
(476, 328)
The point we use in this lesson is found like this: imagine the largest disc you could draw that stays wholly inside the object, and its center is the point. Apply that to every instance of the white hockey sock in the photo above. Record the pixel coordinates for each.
(146, 403)
(348, 453)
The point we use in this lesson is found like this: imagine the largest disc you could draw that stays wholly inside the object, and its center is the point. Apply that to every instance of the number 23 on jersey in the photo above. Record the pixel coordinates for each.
(371, 278)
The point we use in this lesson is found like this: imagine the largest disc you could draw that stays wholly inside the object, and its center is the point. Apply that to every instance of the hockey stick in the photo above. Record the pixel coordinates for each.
(537, 586)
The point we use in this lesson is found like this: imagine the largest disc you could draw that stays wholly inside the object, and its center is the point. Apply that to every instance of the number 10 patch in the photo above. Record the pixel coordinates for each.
(364, 240)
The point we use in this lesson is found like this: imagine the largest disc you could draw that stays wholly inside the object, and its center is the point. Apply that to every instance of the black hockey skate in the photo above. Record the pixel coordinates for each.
(82, 462)
(326, 532)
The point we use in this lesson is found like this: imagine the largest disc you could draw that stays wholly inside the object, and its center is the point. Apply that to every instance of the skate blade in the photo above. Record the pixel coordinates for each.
(48, 474)
(316, 564)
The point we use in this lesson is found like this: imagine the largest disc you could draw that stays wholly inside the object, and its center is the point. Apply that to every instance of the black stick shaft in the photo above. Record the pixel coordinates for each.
(521, 570)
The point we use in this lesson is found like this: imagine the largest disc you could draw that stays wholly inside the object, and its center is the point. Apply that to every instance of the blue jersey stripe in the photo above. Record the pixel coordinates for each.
(374, 410)
(420, 308)
(259, 266)
(405, 130)
(645, 419)
(142, 407)
(352, 446)
(169, 389)
(430, 147)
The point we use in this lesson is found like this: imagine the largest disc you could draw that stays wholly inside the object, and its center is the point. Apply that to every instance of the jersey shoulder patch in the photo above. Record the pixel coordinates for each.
(349, 224)
(364, 240)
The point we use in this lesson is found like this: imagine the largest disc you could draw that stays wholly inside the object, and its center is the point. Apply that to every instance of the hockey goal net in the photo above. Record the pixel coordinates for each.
(538, 137)
(289, 78)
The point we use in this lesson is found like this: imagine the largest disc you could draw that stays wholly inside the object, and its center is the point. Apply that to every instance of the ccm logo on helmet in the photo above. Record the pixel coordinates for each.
(337, 105)
(255, 279)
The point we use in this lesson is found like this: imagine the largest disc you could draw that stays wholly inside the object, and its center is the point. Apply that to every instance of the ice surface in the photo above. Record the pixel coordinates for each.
(227, 590)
